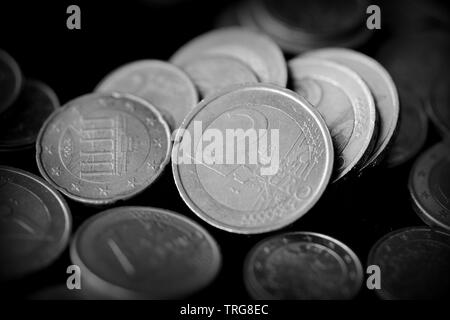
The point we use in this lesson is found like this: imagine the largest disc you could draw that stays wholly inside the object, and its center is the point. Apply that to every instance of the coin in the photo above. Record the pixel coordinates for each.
(414, 264)
(256, 50)
(438, 105)
(382, 88)
(346, 104)
(20, 125)
(290, 168)
(302, 266)
(162, 84)
(10, 80)
(103, 147)
(213, 73)
(411, 62)
(412, 131)
(429, 186)
(35, 223)
(142, 252)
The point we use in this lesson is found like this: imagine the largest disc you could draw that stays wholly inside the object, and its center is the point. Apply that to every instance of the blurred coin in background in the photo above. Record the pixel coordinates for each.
(429, 186)
(213, 73)
(102, 147)
(298, 26)
(414, 264)
(346, 104)
(35, 223)
(144, 253)
(254, 49)
(288, 176)
(20, 124)
(382, 88)
(438, 104)
(10, 80)
(412, 130)
(303, 266)
(160, 83)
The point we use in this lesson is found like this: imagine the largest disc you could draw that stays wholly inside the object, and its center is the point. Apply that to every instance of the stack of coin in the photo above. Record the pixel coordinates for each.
(24, 106)
(298, 26)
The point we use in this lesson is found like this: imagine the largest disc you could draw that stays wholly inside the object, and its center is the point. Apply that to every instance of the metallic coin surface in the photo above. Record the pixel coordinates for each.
(291, 166)
(35, 223)
(429, 186)
(382, 88)
(412, 131)
(103, 147)
(20, 125)
(346, 104)
(414, 263)
(162, 84)
(10, 80)
(438, 105)
(256, 50)
(213, 73)
(303, 266)
(143, 252)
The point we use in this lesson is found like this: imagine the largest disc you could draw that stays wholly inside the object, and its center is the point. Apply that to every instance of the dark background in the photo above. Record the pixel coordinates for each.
(357, 212)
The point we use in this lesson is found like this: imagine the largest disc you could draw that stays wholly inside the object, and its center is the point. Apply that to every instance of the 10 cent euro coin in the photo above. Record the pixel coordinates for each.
(252, 158)
(100, 148)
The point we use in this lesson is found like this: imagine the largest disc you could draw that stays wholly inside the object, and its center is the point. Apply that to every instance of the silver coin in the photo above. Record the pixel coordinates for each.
(256, 50)
(382, 88)
(20, 125)
(35, 223)
(212, 73)
(162, 84)
(245, 196)
(10, 80)
(429, 186)
(142, 252)
(414, 264)
(100, 148)
(302, 266)
(346, 104)
(412, 131)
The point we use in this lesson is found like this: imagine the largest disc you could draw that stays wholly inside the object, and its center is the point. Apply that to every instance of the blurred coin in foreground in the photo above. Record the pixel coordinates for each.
(346, 104)
(100, 148)
(35, 223)
(429, 186)
(162, 84)
(20, 125)
(412, 131)
(142, 252)
(414, 264)
(256, 50)
(270, 162)
(213, 73)
(382, 88)
(303, 266)
(10, 80)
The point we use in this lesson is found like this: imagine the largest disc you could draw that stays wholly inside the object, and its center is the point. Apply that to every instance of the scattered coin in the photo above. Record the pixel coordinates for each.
(19, 125)
(256, 50)
(346, 104)
(382, 88)
(162, 84)
(142, 252)
(412, 131)
(35, 223)
(103, 147)
(211, 74)
(302, 266)
(414, 264)
(10, 80)
(237, 196)
(429, 186)
(295, 25)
